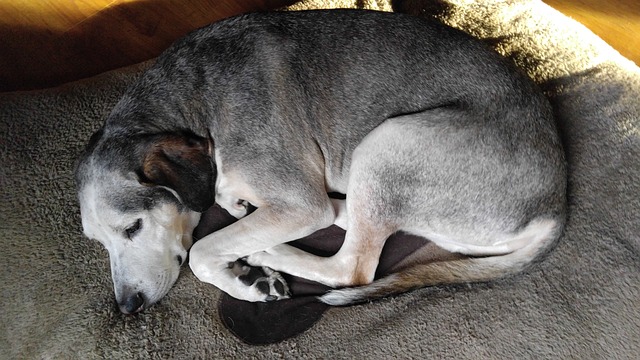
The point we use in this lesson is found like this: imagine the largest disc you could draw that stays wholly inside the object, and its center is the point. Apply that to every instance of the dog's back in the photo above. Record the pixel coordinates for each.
(336, 74)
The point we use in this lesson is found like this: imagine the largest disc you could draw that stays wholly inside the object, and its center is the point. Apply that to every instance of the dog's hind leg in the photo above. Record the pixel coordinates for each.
(539, 235)
(356, 261)
(452, 177)
(365, 217)
(466, 189)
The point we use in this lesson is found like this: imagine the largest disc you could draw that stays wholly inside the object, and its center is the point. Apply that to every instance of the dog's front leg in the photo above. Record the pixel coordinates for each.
(300, 263)
(354, 264)
(214, 259)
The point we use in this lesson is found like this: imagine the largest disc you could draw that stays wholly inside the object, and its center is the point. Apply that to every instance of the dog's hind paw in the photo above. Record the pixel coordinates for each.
(263, 280)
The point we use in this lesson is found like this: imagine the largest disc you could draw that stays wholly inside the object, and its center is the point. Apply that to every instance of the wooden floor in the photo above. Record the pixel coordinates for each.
(616, 21)
(48, 42)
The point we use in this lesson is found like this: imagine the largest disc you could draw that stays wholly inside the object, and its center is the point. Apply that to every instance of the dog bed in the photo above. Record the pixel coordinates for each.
(582, 301)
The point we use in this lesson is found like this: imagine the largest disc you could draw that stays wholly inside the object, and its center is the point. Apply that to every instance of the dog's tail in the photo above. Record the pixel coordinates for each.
(538, 236)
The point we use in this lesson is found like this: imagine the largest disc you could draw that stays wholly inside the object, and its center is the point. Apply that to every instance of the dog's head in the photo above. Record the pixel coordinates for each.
(141, 197)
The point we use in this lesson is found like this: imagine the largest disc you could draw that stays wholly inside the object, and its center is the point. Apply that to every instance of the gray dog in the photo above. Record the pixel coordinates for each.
(423, 128)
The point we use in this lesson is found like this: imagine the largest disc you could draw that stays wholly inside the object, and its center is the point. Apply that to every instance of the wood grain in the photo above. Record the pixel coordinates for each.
(49, 42)
(616, 21)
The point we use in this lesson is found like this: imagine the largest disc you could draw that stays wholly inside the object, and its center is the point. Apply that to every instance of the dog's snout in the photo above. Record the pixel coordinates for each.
(132, 304)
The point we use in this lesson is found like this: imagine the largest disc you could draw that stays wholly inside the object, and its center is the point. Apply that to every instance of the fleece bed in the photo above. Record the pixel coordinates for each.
(581, 302)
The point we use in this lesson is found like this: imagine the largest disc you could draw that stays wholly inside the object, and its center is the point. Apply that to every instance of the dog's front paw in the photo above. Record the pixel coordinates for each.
(267, 283)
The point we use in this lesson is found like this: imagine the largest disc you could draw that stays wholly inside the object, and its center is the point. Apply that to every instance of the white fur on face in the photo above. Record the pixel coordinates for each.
(147, 262)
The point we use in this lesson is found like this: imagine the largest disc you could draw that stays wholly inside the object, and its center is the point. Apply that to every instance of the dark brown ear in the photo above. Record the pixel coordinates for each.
(183, 163)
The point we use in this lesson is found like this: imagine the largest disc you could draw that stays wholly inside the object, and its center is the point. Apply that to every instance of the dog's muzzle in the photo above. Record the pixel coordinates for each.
(132, 304)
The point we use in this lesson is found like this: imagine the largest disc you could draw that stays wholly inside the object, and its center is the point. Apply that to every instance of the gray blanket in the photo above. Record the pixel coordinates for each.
(581, 302)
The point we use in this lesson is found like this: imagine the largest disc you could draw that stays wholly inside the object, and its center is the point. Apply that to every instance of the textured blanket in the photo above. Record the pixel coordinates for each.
(581, 302)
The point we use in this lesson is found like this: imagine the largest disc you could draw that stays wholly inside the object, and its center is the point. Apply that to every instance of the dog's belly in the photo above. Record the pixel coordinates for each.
(336, 181)
(490, 244)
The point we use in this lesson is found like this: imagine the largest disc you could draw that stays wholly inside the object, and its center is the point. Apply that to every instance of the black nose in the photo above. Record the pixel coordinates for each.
(132, 304)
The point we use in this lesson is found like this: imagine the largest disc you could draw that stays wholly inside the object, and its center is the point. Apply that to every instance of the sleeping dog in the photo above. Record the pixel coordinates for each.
(424, 129)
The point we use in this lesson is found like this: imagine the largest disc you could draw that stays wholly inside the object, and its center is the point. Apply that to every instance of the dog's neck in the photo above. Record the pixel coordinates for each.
(145, 116)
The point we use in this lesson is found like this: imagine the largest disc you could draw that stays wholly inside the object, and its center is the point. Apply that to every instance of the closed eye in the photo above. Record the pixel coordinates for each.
(131, 231)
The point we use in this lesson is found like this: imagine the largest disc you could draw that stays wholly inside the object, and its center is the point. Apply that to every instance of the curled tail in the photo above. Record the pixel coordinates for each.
(538, 236)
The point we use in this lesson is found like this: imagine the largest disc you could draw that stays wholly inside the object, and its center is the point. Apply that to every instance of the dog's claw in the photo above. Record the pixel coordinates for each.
(263, 279)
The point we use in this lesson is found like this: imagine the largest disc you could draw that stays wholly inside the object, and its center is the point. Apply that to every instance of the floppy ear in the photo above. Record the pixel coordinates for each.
(183, 163)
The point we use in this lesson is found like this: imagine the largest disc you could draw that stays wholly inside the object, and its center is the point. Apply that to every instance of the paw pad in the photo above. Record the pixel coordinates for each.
(263, 279)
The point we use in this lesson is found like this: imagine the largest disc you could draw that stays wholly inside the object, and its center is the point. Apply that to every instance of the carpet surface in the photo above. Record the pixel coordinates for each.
(581, 302)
